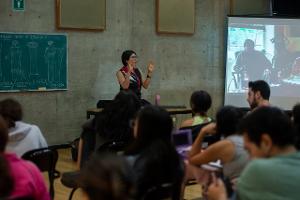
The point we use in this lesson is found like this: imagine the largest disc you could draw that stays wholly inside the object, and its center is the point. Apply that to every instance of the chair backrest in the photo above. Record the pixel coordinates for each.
(195, 129)
(45, 159)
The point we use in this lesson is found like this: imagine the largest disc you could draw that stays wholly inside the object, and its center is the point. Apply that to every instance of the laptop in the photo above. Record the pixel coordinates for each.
(183, 141)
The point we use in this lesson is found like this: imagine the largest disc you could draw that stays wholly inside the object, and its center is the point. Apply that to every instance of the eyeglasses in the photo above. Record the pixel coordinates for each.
(134, 56)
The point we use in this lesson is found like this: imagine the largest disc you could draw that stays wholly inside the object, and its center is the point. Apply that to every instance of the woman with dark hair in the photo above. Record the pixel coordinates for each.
(23, 137)
(200, 103)
(19, 179)
(153, 156)
(106, 176)
(230, 150)
(130, 77)
(112, 124)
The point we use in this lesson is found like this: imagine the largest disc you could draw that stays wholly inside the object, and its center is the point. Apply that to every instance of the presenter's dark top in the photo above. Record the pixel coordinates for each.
(135, 81)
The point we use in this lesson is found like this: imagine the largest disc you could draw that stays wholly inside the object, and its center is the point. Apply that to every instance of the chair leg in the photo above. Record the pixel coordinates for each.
(71, 194)
(51, 184)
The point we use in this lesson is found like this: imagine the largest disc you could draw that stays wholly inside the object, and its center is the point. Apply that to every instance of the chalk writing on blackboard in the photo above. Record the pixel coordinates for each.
(33, 61)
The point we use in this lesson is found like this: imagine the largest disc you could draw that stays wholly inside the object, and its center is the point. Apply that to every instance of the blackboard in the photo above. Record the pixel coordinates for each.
(33, 62)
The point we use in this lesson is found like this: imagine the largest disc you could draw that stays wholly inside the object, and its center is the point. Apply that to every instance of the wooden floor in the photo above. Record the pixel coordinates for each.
(65, 164)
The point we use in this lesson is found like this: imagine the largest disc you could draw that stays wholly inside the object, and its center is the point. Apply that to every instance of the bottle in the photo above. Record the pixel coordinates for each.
(157, 99)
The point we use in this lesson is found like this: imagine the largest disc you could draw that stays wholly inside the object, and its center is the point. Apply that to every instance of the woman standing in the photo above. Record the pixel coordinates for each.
(130, 77)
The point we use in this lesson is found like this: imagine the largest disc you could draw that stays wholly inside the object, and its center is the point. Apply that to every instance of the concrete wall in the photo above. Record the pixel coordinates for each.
(183, 63)
(254, 7)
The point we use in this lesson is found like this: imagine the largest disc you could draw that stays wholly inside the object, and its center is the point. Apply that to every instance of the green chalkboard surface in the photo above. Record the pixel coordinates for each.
(33, 62)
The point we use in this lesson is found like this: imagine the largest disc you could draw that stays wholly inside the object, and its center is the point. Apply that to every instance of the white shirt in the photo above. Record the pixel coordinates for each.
(25, 137)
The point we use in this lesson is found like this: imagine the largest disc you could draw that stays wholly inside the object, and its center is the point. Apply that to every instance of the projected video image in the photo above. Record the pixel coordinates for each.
(266, 49)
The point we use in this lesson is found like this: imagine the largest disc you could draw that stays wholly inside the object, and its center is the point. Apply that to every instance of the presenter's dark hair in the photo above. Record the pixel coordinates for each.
(200, 102)
(268, 120)
(126, 55)
(11, 110)
(227, 120)
(261, 86)
(107, 176)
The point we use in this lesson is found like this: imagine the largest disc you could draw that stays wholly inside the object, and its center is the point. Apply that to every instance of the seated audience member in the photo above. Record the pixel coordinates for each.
(23, 180)
(273, 174)
(6, 181)
(230, 150)
(200, 103)
(112, 124)
(152, 154)
(23, 137)
(107, 176)
(258, 94)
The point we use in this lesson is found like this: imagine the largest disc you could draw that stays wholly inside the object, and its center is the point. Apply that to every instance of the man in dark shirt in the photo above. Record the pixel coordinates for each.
(254, 62)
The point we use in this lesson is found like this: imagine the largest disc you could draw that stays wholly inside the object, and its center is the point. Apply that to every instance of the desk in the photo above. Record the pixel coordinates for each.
(171, 111)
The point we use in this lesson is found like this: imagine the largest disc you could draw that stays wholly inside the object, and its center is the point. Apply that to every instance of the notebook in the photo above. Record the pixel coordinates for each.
(213, 166)
(183, 141)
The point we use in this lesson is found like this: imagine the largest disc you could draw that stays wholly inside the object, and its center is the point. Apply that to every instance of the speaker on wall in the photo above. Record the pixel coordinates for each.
(286, 8)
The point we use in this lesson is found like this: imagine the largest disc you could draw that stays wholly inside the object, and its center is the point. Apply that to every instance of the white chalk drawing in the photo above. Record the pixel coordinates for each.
(33, 54)
(17, 72)
(60, 63)
(51, 61)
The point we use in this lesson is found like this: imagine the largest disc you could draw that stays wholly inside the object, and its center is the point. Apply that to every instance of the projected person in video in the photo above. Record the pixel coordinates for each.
(254, 62)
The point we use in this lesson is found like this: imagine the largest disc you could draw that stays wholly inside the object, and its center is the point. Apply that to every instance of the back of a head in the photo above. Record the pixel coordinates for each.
(228, 118)
(107, 176)
(11, 110)
(115, 117)
(296, 113)
(126, 99)
(296, 121)
(271, 121)
(200, 102)
(154, 124)
(261, 86)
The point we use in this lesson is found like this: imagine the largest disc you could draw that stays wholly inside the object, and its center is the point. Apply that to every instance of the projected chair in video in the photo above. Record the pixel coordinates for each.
(236, 81)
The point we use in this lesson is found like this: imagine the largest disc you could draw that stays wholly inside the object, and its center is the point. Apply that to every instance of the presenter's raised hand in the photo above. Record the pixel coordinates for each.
(150, 67)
